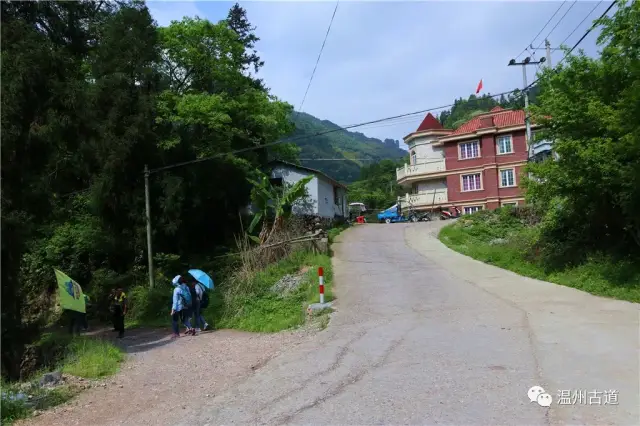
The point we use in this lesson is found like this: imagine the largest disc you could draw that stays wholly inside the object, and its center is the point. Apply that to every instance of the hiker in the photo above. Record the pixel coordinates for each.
(181, 307)
(118, 310)
(201, 302)
(75, 320)
(87, 303)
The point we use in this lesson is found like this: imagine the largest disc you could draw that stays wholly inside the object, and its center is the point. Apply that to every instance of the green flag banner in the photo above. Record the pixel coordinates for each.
(70, 292)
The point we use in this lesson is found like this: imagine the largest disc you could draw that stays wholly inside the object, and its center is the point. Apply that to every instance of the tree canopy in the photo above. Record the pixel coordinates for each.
(590, 109)
(93, 92)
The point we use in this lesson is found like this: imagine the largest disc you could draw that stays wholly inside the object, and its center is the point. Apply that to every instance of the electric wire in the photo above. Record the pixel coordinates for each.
(581, 22)
(593, 26)
(545, 26)
(295, 139)
(381, 120)
(313, 73)
(558, 23)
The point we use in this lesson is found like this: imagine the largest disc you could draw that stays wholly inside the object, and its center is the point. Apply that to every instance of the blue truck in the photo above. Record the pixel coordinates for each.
(391, 215)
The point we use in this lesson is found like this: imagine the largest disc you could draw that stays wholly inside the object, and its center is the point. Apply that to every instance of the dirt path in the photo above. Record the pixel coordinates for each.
(162, 377)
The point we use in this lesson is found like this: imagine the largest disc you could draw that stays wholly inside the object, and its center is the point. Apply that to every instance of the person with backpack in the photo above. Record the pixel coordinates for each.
(181, 307)
(201, 302)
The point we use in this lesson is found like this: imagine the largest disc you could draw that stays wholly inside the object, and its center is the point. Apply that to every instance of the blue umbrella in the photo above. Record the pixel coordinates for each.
(202, 278)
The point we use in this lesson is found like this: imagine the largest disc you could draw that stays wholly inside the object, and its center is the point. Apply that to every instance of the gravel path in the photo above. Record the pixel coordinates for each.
(163, 378)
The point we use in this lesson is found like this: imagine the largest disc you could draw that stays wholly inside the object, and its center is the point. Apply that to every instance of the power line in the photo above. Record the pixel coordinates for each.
(545, 26)
(558, 23)
(595, 23)
(319, 55)
(239, 151)
(295, 139)
(581, 22)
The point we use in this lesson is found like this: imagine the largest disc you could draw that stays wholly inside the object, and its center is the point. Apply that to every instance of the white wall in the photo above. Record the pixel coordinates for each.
(292, 175)
(342, 209)
(325, 198)
(424, 149)
(430, 185)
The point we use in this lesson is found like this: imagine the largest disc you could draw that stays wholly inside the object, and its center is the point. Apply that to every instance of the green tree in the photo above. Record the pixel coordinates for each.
(238, 22)
(590, 109)
(273, 204)
(377, 187)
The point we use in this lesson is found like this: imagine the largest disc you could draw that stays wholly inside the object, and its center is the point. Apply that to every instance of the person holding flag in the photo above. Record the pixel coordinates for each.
(71, 300)
(118, 310)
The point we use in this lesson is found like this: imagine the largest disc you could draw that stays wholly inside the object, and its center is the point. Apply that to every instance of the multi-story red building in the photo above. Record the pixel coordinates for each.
(477, 166)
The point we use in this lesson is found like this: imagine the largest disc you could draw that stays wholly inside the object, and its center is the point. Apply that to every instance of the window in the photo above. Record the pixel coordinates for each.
(504, 144)
(469, 150)
(471, 182)
(509, 204)
(337, 199)
(414, 158)
(472, 209)
(507, 178)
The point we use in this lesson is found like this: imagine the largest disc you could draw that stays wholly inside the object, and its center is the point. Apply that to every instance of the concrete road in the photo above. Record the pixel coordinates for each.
(424, 335)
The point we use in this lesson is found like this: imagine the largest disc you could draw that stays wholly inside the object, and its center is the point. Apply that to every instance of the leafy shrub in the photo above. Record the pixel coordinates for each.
(150, 305)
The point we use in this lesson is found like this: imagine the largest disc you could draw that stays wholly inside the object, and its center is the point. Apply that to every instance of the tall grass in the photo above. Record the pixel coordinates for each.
(246, 301)
(503, 239)
(92, 358)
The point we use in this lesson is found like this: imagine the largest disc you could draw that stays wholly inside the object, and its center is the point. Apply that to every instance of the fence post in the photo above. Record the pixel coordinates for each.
(321, 282)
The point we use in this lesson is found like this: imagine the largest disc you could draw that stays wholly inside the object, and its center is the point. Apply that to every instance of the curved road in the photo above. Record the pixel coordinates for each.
(424, 335)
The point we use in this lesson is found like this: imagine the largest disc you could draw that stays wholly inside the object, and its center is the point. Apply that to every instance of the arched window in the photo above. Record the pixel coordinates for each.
(414, 158)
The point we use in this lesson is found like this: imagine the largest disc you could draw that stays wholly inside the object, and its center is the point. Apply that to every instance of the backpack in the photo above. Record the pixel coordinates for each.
(186, 298)
(205, 298)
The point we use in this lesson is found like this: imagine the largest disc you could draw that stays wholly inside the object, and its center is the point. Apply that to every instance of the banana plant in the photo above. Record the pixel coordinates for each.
(273, 202)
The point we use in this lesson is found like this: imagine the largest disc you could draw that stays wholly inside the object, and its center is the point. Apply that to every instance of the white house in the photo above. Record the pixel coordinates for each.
(327, 197)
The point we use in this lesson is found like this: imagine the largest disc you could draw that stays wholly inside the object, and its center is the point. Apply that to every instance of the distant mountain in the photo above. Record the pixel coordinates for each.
(352, 146)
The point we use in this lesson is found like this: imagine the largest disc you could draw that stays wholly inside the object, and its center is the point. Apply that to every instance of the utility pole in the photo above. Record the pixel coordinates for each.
(527, 121)
(547, 47)
(548, 50)
(147, 203)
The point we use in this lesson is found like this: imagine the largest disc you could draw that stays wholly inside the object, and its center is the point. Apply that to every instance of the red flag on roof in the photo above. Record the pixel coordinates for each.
(479, 87)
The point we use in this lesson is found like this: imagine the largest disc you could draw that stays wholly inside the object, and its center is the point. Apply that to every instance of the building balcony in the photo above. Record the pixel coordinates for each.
(420, 170)
(430, 198)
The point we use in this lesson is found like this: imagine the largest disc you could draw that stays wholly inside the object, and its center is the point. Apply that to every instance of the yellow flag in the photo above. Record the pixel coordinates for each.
(70, 292)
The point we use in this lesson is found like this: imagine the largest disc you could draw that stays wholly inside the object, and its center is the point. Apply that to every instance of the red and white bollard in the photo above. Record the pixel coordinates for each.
(321, 282)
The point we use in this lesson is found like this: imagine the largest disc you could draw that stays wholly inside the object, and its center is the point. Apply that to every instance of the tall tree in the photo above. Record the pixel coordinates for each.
(590, 109)
(237, 20)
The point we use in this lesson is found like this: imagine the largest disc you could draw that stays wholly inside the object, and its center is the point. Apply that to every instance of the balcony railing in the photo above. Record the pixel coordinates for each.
(432, 166)
(425, 199)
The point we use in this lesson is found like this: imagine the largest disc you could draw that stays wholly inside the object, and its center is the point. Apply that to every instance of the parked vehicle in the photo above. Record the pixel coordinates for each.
(447, 214)
(357, 208)
(391, 215)
(422, 217)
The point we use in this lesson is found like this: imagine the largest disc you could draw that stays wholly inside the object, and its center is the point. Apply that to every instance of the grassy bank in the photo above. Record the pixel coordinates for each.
(501, 239)
(251, 304)
(85, 357)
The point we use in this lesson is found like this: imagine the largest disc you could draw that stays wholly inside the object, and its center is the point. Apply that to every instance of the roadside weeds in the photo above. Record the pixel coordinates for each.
(506, 248)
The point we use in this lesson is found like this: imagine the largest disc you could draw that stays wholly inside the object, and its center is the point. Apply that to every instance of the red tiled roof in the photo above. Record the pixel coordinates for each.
(499, 118)
(496, 108)
(429, 123)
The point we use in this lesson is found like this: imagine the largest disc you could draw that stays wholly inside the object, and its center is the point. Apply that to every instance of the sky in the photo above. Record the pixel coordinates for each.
(383, 59)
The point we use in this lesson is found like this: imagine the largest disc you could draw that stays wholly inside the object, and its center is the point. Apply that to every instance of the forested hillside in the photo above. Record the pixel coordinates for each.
(465, 109)
(340, 144)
